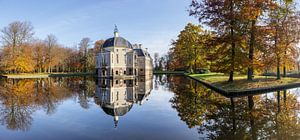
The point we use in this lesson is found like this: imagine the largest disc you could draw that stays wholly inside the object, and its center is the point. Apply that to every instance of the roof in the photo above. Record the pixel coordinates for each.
(141, 97)
(139, 52)
(120, 111)
(117, 42)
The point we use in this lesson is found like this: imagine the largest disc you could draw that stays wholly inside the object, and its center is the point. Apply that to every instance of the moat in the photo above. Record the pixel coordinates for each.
(162, 107)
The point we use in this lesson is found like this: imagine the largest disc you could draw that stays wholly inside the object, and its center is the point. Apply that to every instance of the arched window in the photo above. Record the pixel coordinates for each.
(103, 72)
(117, 95)
(117, 58)
(125, 59)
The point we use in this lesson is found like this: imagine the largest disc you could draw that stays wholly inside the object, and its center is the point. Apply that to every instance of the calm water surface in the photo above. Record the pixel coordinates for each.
(165, 107)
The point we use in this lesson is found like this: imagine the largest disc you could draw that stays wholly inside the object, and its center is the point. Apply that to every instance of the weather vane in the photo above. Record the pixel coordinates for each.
(116, 28)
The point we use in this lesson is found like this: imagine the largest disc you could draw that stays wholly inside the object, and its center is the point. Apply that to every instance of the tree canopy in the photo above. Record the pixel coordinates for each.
(22, 53)
(241, 37)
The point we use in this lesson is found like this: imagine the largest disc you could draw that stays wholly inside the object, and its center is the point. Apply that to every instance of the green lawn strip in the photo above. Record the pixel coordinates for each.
(71, 74)
(241, 83)
(34, 75)
(168, 72)
(210, 77)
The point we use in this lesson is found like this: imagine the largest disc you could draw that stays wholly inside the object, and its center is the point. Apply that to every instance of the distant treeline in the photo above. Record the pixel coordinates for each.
(22, 53)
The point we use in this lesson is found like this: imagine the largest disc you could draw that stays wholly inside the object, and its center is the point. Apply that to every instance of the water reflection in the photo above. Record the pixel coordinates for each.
(20, 98)
(117, 96)
(267, 116)
(204, 112)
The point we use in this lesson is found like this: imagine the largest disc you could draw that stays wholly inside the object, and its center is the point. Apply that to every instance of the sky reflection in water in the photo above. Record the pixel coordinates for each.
(166, 107)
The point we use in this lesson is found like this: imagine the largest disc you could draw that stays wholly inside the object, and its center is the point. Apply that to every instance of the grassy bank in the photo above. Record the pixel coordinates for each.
(43, 75)
(241, 83)
(168, 72)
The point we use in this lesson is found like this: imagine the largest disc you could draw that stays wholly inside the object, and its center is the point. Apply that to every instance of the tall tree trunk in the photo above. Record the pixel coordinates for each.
(286, 37)
(284, 70)
(195, 65)
(232, 62)
(251, 50)
(252, 123)
(285, 55)
(233, 114)
(278, 100)
(250, 102)
(284, 95)
(278, 68)
(232, 46)
(13, 55)
(277, 55)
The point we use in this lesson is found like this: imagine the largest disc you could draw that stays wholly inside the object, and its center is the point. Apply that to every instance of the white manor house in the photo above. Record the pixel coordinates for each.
(118, 57)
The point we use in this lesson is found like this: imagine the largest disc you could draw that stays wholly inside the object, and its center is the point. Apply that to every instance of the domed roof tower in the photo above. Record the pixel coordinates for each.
(116, 41)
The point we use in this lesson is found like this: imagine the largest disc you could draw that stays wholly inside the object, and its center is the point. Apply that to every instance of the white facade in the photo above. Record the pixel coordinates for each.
(119, 58)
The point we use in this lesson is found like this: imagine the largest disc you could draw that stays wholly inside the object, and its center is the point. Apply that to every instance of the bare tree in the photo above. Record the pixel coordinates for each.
(50, 42)
(156, 61)
(13, 36)
(83, 48)
(17, 33)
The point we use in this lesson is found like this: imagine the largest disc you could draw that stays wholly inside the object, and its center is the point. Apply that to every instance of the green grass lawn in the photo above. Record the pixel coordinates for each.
(168, 72)
(37, 75)
(241, 82)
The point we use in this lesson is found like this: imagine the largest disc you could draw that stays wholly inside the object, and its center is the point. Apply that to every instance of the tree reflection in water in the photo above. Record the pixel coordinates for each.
(19, 98)
(267, 116)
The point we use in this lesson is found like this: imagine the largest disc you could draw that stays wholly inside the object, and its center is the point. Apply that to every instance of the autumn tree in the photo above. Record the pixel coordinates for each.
(24, 62)
(51, 44)
(225, 18)
(251, 12)
(21, 52)
(284, 24)
(291, 33)
(190, 48)
(97, 46)
(13, 37)
(39, 53)
(261, 30)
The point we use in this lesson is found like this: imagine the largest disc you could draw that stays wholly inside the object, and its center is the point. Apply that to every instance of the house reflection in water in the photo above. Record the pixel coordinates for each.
(117, 96)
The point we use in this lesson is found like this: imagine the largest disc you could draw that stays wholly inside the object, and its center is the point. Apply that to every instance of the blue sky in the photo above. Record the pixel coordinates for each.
(152, 23)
